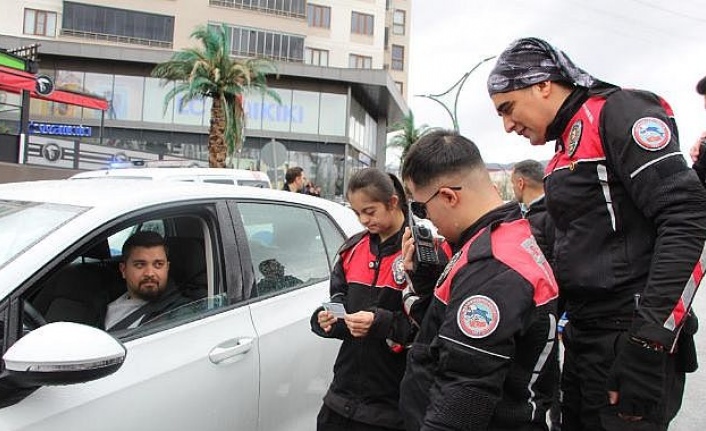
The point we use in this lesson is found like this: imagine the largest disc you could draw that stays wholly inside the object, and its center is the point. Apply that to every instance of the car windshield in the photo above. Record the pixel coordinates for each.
(23, 224)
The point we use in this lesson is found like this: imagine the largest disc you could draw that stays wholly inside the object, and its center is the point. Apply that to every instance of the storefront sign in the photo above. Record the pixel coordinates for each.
(59, 129)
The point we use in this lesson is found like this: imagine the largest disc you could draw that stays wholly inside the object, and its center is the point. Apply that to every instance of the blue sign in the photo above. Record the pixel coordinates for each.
(59, 129)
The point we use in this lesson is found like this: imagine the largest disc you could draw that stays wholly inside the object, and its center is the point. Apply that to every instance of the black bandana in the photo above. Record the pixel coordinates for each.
(529, 61)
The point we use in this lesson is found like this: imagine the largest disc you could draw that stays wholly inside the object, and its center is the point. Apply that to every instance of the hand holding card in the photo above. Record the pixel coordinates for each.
(337, 309)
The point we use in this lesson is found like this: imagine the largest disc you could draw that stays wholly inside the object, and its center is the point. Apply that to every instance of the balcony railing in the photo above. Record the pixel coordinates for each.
(234, 4)
(117, 38)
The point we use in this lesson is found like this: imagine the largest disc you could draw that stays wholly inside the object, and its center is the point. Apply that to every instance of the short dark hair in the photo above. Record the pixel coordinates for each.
(530, 170)
(293, 173)
(439, 152)
(143, 238)
(378, 186)
(701, 86)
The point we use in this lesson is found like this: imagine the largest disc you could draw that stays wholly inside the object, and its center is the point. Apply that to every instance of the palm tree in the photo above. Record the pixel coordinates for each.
(210, 71)
(407, 134)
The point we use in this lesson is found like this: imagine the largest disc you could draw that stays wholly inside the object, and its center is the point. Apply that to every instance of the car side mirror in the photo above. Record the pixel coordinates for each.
(63, 353)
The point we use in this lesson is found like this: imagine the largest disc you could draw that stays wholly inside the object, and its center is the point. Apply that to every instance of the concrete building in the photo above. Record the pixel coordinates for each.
(342, 75)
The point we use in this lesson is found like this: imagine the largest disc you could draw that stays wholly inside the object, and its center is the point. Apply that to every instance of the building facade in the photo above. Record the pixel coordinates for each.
(339, 81)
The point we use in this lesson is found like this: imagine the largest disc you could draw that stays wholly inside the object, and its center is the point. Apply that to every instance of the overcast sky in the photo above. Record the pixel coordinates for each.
(649, 44)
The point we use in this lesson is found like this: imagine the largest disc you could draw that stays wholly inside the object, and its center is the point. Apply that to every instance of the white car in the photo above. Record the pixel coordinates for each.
(239, 177)
(241, 356)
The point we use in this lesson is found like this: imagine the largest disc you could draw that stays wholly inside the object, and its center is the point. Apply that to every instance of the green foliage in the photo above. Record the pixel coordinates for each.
(210, 71)
(407, 134)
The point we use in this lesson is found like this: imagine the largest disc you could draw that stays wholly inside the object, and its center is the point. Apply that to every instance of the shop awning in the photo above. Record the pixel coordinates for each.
(15, 81)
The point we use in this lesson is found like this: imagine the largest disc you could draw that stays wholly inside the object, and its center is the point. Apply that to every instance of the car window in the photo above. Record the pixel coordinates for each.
(219, 181)
(286, 246)
(116, 241)
(84, 289)
(333, 238)
(23, 224)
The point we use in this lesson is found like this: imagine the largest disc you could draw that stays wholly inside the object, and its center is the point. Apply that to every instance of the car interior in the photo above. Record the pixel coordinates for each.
(81, 288)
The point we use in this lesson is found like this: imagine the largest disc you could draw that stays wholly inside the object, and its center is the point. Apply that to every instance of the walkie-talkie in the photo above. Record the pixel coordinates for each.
(424, 248)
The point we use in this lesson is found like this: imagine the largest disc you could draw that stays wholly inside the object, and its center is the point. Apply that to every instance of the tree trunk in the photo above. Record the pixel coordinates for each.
(217, 148)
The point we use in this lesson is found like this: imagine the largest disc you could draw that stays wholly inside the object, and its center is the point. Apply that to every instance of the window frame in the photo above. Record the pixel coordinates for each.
(399, 28)
(310, 54)
(356, 61)
(397, 61)
(362, 23)
(318, 16)
(35, 14)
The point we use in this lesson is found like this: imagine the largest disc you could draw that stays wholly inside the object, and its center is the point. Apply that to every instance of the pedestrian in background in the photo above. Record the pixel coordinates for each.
(368, 279)
(631, 224)
(294, 180)
(485, 357)
(528, 187)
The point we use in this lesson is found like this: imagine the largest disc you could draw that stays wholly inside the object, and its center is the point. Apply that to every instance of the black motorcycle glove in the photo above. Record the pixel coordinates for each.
(638, 375)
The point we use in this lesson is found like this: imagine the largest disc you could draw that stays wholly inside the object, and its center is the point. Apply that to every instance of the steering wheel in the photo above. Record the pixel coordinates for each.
(33, 317)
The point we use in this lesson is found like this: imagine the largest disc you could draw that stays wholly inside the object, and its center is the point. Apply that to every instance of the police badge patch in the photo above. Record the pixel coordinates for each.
(651, 133)
(398, 270)
(575, 137)
(478, 316)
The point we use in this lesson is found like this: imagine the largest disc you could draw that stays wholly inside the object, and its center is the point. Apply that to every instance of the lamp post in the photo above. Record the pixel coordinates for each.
(458, 86)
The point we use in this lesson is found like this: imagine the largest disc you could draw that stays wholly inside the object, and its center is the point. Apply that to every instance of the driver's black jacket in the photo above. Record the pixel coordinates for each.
(369, 276)
(630, 215)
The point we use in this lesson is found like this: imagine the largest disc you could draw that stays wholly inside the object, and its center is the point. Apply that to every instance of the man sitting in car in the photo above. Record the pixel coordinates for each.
(145, 268)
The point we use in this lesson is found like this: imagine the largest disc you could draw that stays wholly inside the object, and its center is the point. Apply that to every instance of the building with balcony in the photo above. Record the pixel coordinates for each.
(342, 73)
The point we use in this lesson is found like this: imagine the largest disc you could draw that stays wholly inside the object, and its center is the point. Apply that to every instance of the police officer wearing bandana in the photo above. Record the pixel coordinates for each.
(631, 226)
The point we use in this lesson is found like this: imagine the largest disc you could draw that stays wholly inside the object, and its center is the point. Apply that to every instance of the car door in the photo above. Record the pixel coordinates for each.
(195, 368)
(292, 269)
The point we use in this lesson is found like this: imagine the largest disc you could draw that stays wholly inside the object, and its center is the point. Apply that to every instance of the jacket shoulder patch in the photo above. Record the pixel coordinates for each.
(478, 316)
(652, 134)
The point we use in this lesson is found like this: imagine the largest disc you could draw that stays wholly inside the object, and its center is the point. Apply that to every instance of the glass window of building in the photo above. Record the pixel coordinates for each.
(398, 21)
(397, 57)
(251, 42)
(154, 109)
(332, 120)
(400, 86)
(316, 57)
(360, 62)
(127, 26)
(318, 16)
(40, 22)
(305, 112)
(279, 7)
(277, 116)
(101, 84)
(71, 81)
(362, 23)
(127, 97)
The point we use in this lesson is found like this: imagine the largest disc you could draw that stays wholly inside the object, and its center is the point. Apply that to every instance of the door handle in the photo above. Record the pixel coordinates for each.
(230, 351)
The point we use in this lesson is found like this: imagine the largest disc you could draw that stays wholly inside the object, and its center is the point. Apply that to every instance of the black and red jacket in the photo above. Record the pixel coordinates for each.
(369, 275)
(630, 215)
(485, 356)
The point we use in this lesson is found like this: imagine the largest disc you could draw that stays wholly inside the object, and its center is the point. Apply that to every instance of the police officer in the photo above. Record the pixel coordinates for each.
(631, 225)
(484, 358)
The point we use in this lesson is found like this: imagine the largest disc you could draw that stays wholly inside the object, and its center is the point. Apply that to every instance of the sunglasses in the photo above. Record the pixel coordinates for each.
(419, 209)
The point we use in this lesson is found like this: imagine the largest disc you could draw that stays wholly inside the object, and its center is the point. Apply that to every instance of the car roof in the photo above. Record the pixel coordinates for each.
(127, 194)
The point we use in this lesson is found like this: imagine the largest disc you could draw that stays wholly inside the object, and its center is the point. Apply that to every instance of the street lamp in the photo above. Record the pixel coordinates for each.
(458, 86)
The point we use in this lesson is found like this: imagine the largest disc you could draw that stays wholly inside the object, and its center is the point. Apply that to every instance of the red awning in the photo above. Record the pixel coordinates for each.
(71, 98)
(15, 81)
